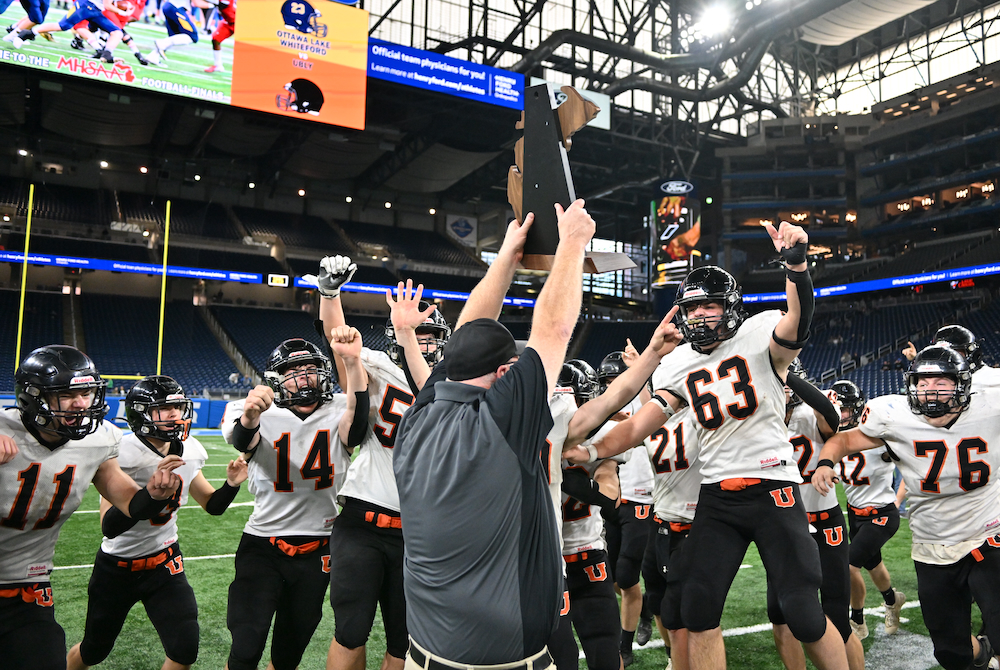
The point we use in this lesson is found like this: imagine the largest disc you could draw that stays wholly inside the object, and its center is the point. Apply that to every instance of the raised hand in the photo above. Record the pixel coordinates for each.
(346, 342)
(334, 272)
(404, 310)
(575, 223)
(163, 484)
(236, 471)
(667, 336)
(513, 241)
(910, 351)
(631, 354)
(258, 400)
(786, 236)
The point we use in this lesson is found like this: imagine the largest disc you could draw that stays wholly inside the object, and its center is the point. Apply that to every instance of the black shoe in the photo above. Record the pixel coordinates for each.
(643, 631)
(628, 658)
(986, 653)
(139, 57)
(105, 56)
(78, 44)
(26, 35)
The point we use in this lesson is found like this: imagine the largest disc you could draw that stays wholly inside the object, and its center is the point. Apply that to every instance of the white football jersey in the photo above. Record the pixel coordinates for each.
(139, 462)
(582, 524)
(39, 489)
(636, 474)
(371, 477)
(803, 433)
(563, 407)
(673, 455)
(296, 469)
(951, 474)
(738, 401)
(867, 478)
(985, 378)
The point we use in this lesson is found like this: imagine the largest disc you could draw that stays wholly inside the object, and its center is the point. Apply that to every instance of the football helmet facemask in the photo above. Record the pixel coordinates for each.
(709, 284)
(49, 371)
(612, 367)
(851, 398)
(579, 378)
(435, 324)
(154, 393)
(963, 341)
(302, 96)
(311, 386)
(938, 361)
(300, 15)
(796, 368)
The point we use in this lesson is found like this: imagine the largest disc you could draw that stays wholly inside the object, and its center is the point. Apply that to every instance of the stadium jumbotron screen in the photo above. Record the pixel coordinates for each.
(296, 58)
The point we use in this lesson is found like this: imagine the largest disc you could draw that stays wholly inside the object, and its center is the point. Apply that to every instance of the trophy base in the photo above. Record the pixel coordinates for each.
(596, 262)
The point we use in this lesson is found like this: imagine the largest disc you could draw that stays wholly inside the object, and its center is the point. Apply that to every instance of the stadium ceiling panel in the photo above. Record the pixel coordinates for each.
(856, 18)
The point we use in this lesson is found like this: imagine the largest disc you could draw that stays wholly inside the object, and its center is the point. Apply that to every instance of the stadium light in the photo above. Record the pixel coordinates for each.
(302, 192)
(349, 199)
(252, 185)
(145, 233)
(104, 164)
(388, 205)
(22, 152)
(197, 177)
(432, 211)
(6, 217)
(143, 169)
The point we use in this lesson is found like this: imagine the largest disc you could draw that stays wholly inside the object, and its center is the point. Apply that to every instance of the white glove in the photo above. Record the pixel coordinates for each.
(334, 272)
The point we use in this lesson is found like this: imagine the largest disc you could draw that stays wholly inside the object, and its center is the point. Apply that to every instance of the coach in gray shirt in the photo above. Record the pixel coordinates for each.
(482, 567)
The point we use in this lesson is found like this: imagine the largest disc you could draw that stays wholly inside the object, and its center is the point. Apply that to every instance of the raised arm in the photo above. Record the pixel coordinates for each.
(486, 299)
(346, 343)
(629, 357)
(836, 448)
(405, 314)
(558, 305)
(334, 272)
(623, 389)
(792, 331)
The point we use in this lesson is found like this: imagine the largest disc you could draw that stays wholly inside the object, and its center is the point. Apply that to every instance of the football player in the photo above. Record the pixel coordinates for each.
(143, 562)
(627, 528)
(282, 563)
(52, 446)
(872, 515)
(97, 39)
(730, 370)
(36, 10)
(940, 436)
(223, 31)
(181, 28)
(85, 10)
(812, 419)
(367, 538)
(963, 341)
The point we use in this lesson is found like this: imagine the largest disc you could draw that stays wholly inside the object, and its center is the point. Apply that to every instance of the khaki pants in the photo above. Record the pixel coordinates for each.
(526, 664)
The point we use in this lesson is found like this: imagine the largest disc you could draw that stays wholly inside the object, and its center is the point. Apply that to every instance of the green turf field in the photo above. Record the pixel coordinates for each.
(216, 538)
(182, 73)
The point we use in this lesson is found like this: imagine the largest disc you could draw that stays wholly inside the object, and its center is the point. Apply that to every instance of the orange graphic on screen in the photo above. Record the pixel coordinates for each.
(302, 59)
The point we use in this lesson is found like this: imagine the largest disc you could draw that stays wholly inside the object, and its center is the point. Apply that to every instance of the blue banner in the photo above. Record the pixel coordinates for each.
(887, 283)
(128, 266)
(444, 74)
(350, 287)
(207, 413)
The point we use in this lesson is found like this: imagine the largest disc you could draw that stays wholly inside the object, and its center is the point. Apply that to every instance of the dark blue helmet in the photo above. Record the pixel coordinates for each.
(302, 16)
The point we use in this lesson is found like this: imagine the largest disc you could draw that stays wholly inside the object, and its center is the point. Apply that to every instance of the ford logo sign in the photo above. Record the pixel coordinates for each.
(676, 187)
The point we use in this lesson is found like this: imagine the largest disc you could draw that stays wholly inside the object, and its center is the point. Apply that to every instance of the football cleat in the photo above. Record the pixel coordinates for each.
(78, 44)
(105, 55)
(860, 630)
(142, 59)
(49, 37)
(153, 57)
(10, 28)
(628, 658)
(892, 613)
(215, 68)
(986, 653)
(643, 631)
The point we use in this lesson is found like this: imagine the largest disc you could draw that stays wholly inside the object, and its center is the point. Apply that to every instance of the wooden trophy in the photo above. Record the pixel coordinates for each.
(540, 176)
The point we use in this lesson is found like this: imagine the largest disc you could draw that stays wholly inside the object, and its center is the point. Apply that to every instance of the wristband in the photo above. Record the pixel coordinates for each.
(825, 461)
(795, 254)
(592, 450)
(221, 498)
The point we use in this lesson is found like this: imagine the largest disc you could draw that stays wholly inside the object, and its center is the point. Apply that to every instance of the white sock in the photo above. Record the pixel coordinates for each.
(35, 29)
(9, 37)
(95, 43)
(217, 55)
(178, 40)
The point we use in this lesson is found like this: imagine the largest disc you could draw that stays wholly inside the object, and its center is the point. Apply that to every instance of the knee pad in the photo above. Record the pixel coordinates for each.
(93, 652)
(627, 572)
(697, 610)
(183, 647)
(350, 635)
(803, 614)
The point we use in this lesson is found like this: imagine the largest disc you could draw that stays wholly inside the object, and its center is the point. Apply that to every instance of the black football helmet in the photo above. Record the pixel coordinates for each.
(938, 361)
(152, 393)
(705, 284)
(435, 324)
(963, 341)
(293, 353)
(48, 371)
(796, 368)
(851, 398)
(302, 96)
(581, 377)
(612, 367)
